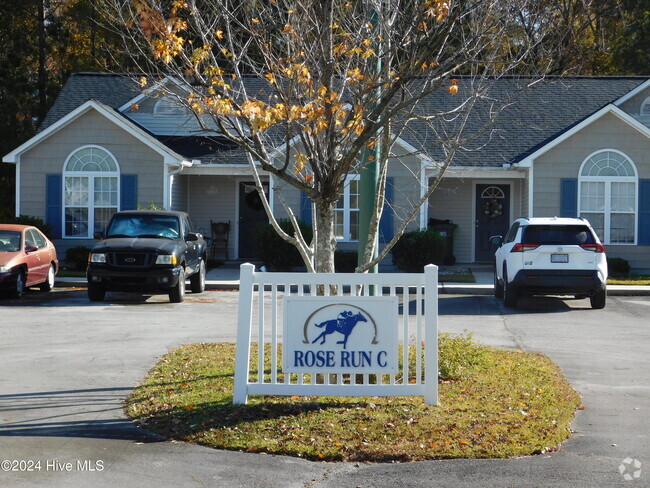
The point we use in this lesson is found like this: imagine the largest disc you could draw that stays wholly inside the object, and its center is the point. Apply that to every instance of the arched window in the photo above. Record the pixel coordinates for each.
(168, 105)
(644, 111)
(493, 192)
(91, 191)
(608, 196)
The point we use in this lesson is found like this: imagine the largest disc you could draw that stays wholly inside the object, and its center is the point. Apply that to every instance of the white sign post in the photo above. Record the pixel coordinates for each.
(322, 345)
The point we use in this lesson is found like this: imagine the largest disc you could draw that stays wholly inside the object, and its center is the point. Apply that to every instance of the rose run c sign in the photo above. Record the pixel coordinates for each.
(340, 334)
(345, 343)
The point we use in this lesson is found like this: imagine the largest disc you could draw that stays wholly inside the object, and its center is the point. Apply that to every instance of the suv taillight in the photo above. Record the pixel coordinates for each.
(524, 247)
(593, 247)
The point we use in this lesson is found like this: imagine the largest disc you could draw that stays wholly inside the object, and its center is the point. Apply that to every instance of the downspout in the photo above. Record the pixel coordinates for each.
(17, 189)
(424, 186)
(170, 177)
(528, 165)
(168, 184)
(530, 190)
(271, 194)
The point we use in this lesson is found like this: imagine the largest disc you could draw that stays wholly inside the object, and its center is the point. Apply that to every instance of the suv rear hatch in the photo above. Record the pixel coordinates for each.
(559, 247)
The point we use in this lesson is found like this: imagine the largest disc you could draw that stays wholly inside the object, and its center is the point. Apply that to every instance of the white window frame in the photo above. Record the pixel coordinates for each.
(346, 210)
(608, 181)
(92, 176)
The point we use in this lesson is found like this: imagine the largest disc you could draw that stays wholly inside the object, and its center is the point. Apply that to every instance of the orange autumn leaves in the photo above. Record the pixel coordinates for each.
(312, 107)
(162, 34)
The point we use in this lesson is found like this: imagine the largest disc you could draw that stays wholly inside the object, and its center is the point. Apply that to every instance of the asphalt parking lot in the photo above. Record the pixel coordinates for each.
(66, 366)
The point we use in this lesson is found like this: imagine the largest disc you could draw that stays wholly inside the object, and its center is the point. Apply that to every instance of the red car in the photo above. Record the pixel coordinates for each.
(27, 258)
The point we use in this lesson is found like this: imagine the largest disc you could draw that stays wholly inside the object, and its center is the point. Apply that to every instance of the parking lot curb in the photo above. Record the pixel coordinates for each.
(443, 288)
(82, 283)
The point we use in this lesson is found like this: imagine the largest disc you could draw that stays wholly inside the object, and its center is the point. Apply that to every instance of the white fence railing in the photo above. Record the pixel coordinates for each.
(262, 296)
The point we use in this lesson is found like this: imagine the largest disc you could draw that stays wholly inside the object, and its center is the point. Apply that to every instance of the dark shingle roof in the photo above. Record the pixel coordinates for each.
(113, 90)
(531, 118)
(209, 150)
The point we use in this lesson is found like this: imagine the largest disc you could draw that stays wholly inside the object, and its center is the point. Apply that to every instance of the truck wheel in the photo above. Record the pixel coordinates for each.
(197, 280)
(177, 294)
(509, 295)
(599, 299)
(96, 293)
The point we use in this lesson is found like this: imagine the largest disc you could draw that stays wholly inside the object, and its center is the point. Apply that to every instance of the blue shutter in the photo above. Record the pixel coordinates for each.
(386, 222)
(305, 208)
(569, 197)
(644, 213)
(128, 192)
(54, 204)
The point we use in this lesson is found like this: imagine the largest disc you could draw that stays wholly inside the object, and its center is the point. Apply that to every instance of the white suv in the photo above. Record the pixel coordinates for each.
(550, 256)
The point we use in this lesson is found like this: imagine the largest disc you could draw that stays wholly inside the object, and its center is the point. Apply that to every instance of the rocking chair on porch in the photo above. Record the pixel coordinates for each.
(220, 232)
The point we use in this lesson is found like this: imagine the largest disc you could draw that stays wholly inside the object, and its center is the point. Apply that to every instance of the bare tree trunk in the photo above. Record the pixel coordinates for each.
(325, 239)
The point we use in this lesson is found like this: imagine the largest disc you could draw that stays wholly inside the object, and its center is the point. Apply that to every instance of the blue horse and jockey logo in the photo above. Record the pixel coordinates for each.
(344, 323)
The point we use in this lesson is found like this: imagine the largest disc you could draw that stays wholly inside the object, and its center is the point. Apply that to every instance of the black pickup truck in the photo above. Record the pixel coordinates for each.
(147, 251)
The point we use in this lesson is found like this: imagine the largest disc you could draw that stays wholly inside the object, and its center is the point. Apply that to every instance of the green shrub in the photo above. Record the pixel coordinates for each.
(6, 213)
(416, 249)
(618, 267)
(458, 356)
(345, 261)
(35, 222)
(77, 257)
(276, 253)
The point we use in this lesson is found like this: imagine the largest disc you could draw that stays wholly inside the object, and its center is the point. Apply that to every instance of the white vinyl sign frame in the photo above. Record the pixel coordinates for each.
(337, 334)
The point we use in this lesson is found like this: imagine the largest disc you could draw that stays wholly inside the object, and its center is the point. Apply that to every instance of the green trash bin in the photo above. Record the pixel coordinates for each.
(446, 229)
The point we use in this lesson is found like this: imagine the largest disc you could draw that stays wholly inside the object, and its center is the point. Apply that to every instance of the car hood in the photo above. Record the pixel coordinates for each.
(10, 258)
(162, 246)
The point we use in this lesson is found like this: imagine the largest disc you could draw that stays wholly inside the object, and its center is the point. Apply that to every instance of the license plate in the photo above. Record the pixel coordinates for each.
(559, 258)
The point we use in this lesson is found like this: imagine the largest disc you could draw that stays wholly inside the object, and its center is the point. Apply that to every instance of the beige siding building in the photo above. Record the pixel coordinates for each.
(569, 147)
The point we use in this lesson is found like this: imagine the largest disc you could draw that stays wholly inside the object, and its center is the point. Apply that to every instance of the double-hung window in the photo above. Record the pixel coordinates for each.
(346, 214)
(90, 191)
(608, 197)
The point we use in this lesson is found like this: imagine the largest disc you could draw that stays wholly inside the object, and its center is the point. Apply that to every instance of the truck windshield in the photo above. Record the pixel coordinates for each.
(144, 226)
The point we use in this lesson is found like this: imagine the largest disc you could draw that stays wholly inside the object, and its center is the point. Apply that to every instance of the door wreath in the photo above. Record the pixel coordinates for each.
(492, 208)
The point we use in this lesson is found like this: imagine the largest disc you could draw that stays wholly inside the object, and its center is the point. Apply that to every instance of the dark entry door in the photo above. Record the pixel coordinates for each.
(251, 214)
(492, 218)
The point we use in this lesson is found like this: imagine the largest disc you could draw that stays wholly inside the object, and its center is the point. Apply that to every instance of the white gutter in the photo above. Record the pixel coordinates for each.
(478, 173)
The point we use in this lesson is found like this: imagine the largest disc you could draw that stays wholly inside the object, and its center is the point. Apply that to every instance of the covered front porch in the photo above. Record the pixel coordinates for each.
(481, 203)
(210, 196)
